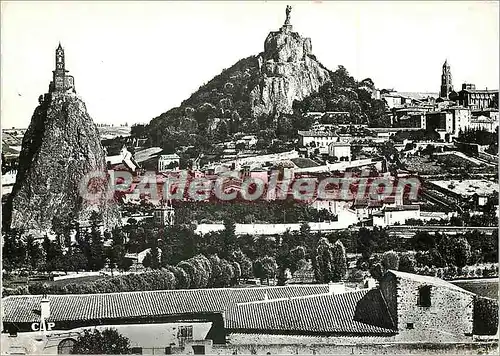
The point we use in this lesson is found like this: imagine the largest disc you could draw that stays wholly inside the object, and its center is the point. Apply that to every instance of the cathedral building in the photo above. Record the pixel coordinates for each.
(61, 80)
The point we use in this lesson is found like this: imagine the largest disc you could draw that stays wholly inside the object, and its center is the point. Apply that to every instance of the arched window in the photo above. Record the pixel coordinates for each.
(65, 347)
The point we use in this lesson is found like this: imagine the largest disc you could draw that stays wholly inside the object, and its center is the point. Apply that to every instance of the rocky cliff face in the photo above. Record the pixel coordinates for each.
(59, 148)
(289, 72)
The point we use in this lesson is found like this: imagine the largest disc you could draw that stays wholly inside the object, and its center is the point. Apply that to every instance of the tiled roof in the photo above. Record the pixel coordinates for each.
(20, 309)
(438, 282)
(359, 312)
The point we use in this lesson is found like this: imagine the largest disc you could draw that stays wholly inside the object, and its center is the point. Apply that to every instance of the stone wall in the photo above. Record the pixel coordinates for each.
(448, 318)
(393, 348)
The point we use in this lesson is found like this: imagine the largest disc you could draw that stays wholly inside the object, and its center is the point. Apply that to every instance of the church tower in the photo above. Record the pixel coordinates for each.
(446, 86)
(61, 80)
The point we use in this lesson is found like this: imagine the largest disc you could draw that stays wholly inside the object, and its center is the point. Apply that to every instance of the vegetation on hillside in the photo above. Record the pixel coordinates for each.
(222, 107)
(226, 98)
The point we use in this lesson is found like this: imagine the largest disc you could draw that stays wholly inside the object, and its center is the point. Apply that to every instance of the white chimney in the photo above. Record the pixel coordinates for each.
(336, 288)
(45, 308)
(266, 297)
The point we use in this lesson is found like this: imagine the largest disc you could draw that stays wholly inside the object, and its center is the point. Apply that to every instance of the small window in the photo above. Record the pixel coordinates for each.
(136, 350)
(409, 325)
(186, 332)
(199, 349)
(424, 296)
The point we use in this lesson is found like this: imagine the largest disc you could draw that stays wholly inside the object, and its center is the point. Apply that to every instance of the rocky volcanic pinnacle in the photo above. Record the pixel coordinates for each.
(289, 72)
(59, 148)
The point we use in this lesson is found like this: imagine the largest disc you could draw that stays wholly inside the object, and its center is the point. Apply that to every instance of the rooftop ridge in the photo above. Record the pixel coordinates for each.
(172, 291)
(429, 279)
(301, 297)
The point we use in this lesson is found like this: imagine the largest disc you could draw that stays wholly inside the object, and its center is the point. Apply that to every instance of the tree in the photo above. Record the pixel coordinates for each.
(54, 258)
(423, 241)
(407, 263)
(455, 251)
(13, 251)
(365, 242)
(324, 266)
(228, 238)
(244, 262)
(265, 268)
(33, 251)
(339, 261)
(116, 252)
(199, 270)
(147, 261)
(462, 252)
(390, 260)
(155, 255)
(108, 342)
(297, 255)
(222, 272)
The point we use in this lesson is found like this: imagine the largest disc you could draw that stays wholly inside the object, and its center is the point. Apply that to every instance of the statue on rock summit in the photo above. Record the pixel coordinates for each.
(288, 11)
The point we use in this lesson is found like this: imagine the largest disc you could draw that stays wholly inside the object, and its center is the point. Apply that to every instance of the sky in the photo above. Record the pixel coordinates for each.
(133, 61)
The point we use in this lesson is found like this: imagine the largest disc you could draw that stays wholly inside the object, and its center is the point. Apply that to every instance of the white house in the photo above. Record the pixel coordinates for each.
(341, 150)
(396, 215)
(168, 162)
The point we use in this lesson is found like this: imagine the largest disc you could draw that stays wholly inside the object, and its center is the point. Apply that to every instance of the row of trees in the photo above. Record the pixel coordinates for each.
(278, 211)
(88, 253)
(442, 250)
(480, 136)
(411, 262)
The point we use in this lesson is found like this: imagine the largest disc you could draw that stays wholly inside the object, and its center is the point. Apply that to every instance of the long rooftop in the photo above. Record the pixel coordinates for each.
(72, 307)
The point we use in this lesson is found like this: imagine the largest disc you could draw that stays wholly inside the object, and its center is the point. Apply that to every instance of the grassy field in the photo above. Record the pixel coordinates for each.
(487, 287)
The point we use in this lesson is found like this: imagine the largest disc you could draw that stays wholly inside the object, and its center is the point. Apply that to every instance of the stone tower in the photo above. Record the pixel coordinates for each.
(61, 80)
(446, 86)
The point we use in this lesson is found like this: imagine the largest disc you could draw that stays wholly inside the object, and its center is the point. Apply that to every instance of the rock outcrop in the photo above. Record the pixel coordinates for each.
(60, 147)
(289, 72)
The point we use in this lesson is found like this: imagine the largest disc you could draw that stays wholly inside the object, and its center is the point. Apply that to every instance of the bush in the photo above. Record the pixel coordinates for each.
(108, 342)
(407, 263)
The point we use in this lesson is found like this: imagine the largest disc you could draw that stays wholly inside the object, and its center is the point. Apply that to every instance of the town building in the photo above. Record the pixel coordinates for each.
(316, 138)
(474, 98)
(340, 149)
(403, 309)
(461, 119)
(395, 100)
(483, 122)
(164, 215)
(156, 322)
(168, 162)
(390, 216)
(124, 161)
(441, 122)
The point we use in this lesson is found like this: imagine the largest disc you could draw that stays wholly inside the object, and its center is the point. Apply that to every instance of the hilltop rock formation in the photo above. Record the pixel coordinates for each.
(60, 147)
(259, 85)
(289, 72)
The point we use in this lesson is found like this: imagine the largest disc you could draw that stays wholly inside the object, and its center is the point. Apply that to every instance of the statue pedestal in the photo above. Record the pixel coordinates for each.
(286, 28)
